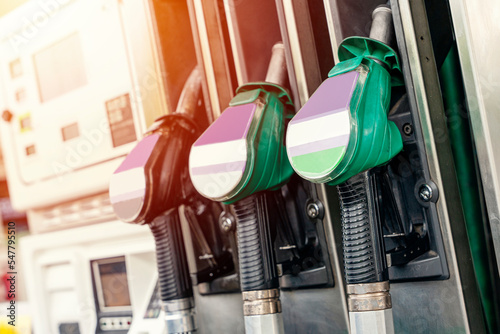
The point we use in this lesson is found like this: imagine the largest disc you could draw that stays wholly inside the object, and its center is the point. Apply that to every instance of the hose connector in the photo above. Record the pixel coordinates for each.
(180, 316)
(369, 297)
(261, 302)
(370, 308)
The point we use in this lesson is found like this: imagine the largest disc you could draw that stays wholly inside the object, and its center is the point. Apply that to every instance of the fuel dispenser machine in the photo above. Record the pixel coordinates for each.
(338, 137)
(80, 83)
(228, 166)
(405, 264)
(238, 158)
(397, 203)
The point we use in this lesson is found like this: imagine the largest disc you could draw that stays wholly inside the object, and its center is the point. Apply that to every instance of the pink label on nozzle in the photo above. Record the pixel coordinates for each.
(139, 156)
(232, 124)
(333, 96)
(218, 159)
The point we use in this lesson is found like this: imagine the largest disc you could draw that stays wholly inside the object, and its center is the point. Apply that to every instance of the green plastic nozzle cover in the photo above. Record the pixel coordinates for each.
(243, 151)
(343, 129)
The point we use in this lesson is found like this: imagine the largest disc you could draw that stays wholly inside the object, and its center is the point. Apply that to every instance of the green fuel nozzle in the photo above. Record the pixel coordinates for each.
(243, 151)
(237, 160)
(338, 137)
(343, 128)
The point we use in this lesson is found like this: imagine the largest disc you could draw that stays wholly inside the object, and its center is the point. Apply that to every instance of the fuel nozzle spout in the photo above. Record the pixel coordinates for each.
(277, 71)
(147, 188)
(191, 95)
(238, 160)
(382, 28)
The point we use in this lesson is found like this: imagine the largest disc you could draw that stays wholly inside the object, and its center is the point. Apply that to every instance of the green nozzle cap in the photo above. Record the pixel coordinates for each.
(343, 129)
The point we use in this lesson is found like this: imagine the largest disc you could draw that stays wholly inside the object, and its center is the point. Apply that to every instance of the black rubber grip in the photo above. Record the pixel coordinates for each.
(364, 257)
(173, 270)
(255, 244)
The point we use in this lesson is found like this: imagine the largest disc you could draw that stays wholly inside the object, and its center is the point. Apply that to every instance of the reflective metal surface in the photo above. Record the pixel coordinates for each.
(180, 322)
(214, 52)
(452, 304)
(306, 72)
(303, 311)
(373, 322)
(277, 66)
(315, 311)
(382, 28)
(349, 18)
(369, 296)
(298, 61)
(360, 289)
(253, 30)
(221, 313)
(333, 19)
(264, 324)
(476, 32)
(178, 304)
(261, 302)
(301, 42)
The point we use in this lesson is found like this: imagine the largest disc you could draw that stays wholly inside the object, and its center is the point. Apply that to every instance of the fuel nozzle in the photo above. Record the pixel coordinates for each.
(242, 152)
(338, 137)
(343, 128)
(147, 188)
(239, 159)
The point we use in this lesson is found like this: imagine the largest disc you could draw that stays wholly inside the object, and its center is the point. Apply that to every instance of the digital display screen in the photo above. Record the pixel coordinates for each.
(113, 290)
(60, 68)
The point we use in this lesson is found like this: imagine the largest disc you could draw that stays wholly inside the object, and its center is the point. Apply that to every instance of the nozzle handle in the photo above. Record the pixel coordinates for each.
(173, 270)
(255, 243)
(362, 240)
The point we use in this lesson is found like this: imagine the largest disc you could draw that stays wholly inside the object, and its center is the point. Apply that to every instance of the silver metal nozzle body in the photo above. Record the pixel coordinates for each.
(262, 310)
(370, 308)
(277, 72)
(382, 25)
(180, 316)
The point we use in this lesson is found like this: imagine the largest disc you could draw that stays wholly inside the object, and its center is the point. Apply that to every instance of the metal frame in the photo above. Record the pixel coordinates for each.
(253, 30)
(434, 305)
(208, 19)
(476, 33)
(463, 309)
(305, 76)
(302, 48)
